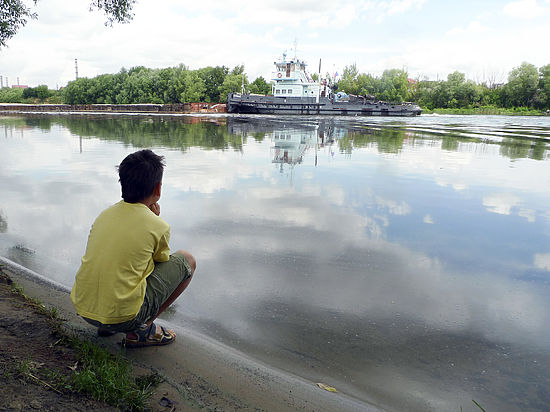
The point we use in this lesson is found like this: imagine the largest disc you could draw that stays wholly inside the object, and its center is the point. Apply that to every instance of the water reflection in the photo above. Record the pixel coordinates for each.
(516, 141)
(407, 263)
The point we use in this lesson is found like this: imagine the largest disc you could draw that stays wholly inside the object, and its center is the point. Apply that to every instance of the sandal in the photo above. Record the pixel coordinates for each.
(149, 336)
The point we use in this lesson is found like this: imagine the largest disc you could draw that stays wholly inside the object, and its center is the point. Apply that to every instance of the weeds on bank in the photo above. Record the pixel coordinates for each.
(98, 373)
(109, 378)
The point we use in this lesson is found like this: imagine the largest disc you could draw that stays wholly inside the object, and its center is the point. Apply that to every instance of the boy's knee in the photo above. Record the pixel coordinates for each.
(190, 259)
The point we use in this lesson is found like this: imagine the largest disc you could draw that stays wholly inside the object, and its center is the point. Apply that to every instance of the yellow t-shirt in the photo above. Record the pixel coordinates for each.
(124, 242)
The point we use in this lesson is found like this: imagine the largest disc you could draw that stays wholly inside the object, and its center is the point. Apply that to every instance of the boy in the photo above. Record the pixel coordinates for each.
(127, 276)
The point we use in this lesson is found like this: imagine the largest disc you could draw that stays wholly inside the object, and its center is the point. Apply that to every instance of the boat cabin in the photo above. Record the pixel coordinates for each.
(290, 79)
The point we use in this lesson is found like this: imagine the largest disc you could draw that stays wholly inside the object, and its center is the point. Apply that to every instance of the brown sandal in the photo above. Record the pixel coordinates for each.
(149, 336)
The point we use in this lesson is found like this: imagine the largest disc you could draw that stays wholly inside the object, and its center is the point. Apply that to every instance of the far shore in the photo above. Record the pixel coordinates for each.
(116, 108)
(197, 108)
(206, 375)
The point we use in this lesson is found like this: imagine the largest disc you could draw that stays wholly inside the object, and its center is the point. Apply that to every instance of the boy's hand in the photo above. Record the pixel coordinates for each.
(155, 208)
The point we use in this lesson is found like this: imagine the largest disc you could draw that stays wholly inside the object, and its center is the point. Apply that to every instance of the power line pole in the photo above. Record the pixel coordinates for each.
(76, 68)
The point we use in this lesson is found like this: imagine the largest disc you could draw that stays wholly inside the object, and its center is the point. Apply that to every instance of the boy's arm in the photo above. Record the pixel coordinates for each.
(162, 252)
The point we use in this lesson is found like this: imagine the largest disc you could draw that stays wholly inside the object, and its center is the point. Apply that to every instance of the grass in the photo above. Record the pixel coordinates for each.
(98, 373)
(109, 378)
(487, 110)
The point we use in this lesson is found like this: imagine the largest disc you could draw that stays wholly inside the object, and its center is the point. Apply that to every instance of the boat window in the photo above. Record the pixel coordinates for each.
(289, 91)
(284, 91)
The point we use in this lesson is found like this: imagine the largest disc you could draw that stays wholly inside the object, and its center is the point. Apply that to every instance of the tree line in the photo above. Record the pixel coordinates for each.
(143, 85)
(527, 87)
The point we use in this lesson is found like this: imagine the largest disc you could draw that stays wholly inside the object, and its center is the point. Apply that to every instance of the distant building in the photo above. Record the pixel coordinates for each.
(19, 86)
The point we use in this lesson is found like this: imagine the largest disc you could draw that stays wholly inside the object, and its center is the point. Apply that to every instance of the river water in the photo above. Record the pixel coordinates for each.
(405, 262)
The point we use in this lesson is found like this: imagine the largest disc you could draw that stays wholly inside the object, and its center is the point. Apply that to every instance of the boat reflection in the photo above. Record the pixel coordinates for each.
(290, 145)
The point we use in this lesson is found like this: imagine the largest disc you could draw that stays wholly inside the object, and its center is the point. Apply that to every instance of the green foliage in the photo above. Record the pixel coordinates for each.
(8, 95)
(213, 77)
(522, 86)
(109, 378)
(260, 86)
(168, 85)
(41, 93)
(233, 83)
(394, 85)
(543, 100)
(13, 16)
(194, 87)
(526, 87)
(119, 11)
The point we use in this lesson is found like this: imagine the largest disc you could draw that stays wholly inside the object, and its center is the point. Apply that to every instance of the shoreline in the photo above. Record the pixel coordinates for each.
(145, 108)
(207, 374)
(221, 108)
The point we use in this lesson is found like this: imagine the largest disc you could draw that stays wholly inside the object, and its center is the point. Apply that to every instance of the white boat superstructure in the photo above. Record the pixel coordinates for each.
(292, 80)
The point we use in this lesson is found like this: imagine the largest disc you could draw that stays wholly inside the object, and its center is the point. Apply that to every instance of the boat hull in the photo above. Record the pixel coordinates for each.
(257, 104)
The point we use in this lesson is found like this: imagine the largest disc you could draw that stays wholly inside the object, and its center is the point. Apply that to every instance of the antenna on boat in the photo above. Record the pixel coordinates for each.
(295, 49)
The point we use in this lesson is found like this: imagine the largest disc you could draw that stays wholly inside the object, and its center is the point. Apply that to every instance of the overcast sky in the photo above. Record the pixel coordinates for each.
(428, 38)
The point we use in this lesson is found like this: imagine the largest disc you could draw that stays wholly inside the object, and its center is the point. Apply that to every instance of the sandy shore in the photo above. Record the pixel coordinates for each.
(205, 374)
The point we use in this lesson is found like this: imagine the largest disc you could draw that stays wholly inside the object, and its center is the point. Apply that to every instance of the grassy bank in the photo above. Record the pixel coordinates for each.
(488, 110)
(45, 364)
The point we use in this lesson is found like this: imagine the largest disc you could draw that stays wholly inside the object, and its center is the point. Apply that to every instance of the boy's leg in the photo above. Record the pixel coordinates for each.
(167, 281)
(181, 287)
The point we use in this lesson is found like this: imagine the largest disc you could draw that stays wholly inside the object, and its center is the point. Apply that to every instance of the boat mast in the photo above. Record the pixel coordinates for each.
(319, 81)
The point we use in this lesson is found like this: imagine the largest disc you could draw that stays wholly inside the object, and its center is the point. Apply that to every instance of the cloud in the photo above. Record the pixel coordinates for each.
(474, 28)
(393, 207)
(379, 10)
(525, 9)
(542, 261)
(501, 203)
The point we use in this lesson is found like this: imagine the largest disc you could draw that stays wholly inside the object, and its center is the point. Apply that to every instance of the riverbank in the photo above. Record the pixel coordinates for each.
(488, 111)
(198, 374)
(189, 108)
(115, 108)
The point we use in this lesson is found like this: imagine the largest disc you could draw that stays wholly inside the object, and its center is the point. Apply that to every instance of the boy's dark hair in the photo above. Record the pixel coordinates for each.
(139, 173)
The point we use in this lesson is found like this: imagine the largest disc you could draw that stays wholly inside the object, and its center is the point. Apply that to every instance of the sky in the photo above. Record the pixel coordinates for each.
(428, 38)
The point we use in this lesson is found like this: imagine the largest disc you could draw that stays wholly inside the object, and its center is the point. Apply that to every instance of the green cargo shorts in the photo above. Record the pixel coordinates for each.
(161, 283)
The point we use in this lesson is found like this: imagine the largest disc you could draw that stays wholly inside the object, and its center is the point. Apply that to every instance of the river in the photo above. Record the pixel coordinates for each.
(405, 262)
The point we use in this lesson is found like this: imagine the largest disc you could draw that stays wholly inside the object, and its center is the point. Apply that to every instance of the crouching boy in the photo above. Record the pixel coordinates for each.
(128, 276)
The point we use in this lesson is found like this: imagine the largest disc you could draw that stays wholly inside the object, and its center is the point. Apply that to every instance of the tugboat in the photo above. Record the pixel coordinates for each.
(295, 92)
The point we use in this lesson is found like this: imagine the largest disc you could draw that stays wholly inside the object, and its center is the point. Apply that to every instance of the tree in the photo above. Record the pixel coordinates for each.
(213, 78)
(232, 83)
(348, 82)
(544, 86)
(41, 92)
(522, 85)
(14, 14)
(395, 85)
(194, 87)
(260, 86)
